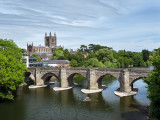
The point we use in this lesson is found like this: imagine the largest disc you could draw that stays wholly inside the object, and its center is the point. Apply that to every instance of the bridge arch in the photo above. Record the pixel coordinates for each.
(70, 78)
(100, 78)
(29, 76)
(136, 79)
(47, 76)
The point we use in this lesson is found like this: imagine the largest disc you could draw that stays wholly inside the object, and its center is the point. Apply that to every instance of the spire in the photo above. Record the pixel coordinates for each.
(32, 43)
(50, 34)
(45, 34)
(54, 33)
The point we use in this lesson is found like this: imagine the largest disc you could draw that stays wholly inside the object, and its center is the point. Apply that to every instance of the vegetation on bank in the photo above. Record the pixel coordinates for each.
(103, 56)
(37, 57)
(153, 81)
(11, 69)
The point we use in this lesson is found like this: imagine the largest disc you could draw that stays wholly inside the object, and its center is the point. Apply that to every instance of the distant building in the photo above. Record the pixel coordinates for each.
(38, 64)
(72, 51)
(27, 60)
(85, 55)
(45, 52)
(50, 63)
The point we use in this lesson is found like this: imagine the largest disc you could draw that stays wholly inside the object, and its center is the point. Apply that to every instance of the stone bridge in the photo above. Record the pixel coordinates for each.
(126, 77)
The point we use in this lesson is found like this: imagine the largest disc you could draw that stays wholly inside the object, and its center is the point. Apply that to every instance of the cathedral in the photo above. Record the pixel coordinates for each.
(45, 52)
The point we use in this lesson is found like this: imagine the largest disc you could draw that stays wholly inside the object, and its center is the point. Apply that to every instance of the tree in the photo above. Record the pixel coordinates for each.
(91, 55)
(58, 53)
(93, 47)
(115, 54)
(129, 54)
(83, 48)
(145, 54)
(108, 64)
(124, 62)
(79, 58)
(121, 62)
(67, 54)
(138, 60)
(121, 53)
(36, 56)
(104, 55)
(93, 62)
(22, 50)
(73, 63)
(153, 81)
(11, 69)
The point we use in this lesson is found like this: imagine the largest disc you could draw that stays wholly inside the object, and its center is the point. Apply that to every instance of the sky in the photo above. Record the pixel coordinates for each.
(132, 25)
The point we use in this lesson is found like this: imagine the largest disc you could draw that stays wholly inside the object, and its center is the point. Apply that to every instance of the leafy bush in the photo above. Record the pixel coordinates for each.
(153, 81)
(11, 69)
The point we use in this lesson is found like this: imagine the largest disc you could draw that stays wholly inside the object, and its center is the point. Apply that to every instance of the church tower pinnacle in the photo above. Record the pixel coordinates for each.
(50, 41)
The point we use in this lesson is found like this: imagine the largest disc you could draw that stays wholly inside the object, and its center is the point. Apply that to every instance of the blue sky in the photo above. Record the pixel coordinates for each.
(121, 24)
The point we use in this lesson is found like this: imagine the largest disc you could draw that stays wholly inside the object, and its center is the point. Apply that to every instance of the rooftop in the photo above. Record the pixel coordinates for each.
(57, 61)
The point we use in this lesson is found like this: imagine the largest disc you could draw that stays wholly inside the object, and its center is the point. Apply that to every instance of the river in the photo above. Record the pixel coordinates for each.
(46, 104)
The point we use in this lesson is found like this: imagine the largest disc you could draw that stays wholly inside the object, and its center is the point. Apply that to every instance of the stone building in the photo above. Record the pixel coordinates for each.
(45, 52)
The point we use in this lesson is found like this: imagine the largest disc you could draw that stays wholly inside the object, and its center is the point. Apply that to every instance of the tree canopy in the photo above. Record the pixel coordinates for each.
(103, 56)
(153, 81)
(11, 69)
(145, 54)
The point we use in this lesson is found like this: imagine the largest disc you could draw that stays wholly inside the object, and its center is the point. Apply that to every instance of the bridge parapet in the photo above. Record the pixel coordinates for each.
(140, 70)
(137, 74)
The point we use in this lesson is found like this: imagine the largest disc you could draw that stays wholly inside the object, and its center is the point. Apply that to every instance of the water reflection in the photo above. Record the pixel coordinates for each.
(8, 110)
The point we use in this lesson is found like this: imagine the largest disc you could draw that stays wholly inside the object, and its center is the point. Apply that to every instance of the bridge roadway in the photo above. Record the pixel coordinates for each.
(126, 77)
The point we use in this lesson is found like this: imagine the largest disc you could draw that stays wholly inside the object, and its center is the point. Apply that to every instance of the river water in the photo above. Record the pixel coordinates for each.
(46, 104)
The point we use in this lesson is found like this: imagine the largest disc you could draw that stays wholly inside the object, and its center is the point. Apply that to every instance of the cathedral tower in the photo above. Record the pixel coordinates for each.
(50, 41)
(29, 49)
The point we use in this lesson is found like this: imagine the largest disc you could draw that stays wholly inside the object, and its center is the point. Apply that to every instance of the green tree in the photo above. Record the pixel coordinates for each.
(104, 55)
(36, 56)
(58, 53)
(145, 54)
(22, 50)
(91, 54)
(138, 60)
(115, 54)
(153, 81)
(109, 64)
(67, 54)
(73, 63)
(121, 53)
(79, 58)
(83, 48)
(93, 47)
(129, 54)
(124, 62)
(11, 69)
(121, 61)
(93, 62)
